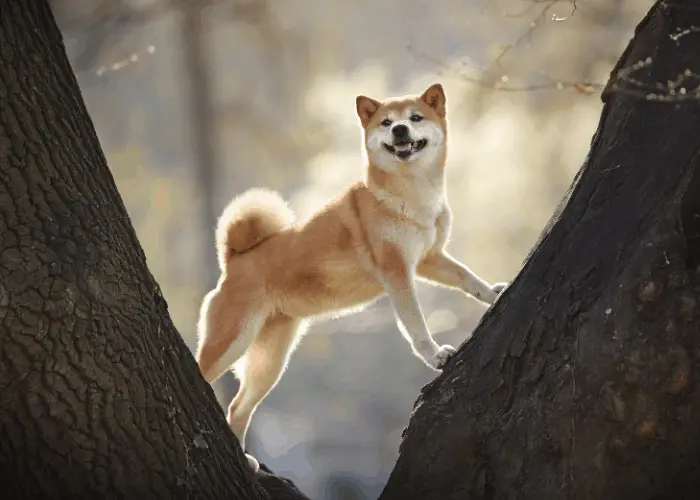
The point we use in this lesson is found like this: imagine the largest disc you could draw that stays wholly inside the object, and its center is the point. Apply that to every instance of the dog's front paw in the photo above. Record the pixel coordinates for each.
(498, 287)
(252, 462)
(442, 356)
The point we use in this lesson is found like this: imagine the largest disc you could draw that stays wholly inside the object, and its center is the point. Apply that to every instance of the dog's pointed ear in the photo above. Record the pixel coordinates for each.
(434, 96)
(366, 108)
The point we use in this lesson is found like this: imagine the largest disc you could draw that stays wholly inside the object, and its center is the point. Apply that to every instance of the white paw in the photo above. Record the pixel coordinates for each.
(498, 287)
(440, 358)
(252, 462)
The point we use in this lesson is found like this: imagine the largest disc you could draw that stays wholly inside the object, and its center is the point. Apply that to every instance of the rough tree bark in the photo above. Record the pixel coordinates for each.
(99, 396)
(583, 381)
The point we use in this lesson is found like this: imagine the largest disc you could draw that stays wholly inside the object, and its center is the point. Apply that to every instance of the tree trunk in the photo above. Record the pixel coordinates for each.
(583, 381)
(99, 396)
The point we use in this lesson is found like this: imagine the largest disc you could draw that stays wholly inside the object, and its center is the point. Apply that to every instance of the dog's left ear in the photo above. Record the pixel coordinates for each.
(434, 96)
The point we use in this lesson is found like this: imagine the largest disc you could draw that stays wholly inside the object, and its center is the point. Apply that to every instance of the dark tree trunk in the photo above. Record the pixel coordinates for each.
(99, 396)
(583, 381)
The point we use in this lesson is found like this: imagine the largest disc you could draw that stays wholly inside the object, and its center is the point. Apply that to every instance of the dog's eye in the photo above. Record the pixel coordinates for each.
(386, 122)
(416, 118)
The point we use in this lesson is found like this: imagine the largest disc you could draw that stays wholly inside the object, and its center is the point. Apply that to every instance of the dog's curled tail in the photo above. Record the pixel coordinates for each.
(248, 220)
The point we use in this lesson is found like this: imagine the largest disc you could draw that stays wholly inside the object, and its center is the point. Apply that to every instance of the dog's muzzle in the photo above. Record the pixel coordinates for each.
(403, 148)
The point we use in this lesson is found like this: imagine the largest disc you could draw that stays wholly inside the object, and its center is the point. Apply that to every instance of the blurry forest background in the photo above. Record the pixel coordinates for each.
(196, 101)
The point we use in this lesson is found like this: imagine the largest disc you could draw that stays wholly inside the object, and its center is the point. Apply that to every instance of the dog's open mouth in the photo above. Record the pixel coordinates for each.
(404, 149)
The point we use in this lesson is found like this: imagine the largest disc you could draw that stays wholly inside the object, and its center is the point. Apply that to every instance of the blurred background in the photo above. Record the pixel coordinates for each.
(196, 101)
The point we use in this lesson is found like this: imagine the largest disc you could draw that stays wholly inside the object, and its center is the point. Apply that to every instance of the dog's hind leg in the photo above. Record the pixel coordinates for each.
(227, 326)
(261, 368)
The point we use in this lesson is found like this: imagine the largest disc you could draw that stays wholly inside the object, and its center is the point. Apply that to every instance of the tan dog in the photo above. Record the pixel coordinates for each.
(377, 238)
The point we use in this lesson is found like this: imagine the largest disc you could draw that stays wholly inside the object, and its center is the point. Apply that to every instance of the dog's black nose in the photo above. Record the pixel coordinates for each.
(400, 131)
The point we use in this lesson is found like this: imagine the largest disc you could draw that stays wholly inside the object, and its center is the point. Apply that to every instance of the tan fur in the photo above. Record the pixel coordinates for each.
(377, 238)
(248, 220)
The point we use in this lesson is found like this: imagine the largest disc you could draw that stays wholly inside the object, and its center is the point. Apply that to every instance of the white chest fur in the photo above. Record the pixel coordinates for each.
(419, 199)
(417, 204)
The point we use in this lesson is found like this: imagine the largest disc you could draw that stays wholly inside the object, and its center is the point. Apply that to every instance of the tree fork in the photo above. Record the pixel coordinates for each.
(582, 381)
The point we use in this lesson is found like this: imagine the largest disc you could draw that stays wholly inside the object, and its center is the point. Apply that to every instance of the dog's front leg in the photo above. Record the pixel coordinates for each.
(442, 269)
(398, 279)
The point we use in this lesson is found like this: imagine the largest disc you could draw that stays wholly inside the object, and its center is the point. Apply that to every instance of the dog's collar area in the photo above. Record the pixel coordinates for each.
(402, 154)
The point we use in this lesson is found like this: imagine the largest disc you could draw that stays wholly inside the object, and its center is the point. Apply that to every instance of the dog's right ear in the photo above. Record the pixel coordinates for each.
(366, 108)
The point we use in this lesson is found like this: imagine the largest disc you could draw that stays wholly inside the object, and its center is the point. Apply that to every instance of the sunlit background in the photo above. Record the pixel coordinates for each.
(196, 101)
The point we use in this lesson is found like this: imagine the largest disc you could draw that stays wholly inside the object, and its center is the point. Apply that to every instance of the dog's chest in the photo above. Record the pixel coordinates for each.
(418, 200)
(414, 228)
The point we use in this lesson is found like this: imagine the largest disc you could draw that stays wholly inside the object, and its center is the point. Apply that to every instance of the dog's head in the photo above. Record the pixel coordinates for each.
(409, 131)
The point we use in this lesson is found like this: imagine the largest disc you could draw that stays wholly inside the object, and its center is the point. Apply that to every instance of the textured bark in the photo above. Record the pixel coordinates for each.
(99, 396)
(583, 380)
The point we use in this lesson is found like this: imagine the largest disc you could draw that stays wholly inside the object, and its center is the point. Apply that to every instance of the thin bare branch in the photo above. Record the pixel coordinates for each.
(688, 31)
(684, 87)
(574, 7)
(502, 84)
(531, 29)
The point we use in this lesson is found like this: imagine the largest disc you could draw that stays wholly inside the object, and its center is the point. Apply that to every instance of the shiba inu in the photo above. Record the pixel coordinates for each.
(377, 238)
